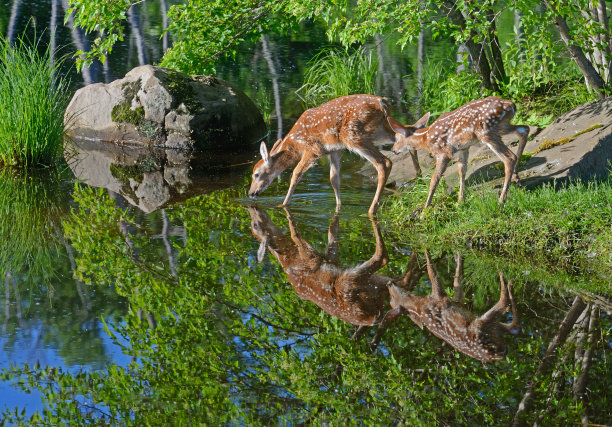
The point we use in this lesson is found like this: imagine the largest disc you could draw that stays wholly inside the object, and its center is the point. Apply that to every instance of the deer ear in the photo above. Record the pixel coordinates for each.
(397, 126)
(261, 252)
(422, 122)
(263, 150)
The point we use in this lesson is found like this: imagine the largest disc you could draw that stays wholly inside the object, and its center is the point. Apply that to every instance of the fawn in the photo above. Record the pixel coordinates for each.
(354, 122)
(453, 133)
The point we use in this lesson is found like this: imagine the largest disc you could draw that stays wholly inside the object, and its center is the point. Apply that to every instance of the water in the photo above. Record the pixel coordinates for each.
(187, 303)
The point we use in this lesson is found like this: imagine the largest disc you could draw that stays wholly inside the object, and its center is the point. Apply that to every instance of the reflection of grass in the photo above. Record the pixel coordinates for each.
(333, 73)
(33, 98)
(30, 207)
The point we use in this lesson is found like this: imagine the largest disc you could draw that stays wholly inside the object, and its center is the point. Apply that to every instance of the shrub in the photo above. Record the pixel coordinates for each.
(337, 72)
(33, 98)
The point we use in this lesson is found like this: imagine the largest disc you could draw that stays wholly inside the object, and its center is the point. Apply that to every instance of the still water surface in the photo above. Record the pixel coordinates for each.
(159, 294)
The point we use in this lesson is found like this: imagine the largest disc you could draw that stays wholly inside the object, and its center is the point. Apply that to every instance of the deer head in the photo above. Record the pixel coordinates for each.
(403, 134)
(266, 169)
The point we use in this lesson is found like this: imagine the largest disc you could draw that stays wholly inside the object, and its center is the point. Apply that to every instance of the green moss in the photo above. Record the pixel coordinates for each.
(179, 86)
(590, 128)
(136, 172)
(123, 112)
(549, 143)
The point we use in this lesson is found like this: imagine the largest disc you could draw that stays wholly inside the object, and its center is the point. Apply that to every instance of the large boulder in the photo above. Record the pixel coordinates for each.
(576, 145)
(162, 107)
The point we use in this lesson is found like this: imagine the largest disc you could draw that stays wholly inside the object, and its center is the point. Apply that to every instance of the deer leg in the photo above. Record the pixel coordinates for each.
(495, 143)
(331, 252)
(383, 167)
(415, 161)
(458, 281)
(380, 257)
(513, 327)
(523, 132)
(334, 175)
(303, 165)
(411, 276)
(441, 164)
(436, 288)
(462, 158)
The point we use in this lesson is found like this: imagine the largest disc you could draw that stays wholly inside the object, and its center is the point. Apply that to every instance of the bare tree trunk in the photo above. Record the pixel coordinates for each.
(580, 382)
(586, 67)
(164, 13)
(420, 66)
(564, 329)
(10, 35)
(79, 39)
(53, 27)
(606, 40)
(168, 245)
(275, 88)
(134, 19)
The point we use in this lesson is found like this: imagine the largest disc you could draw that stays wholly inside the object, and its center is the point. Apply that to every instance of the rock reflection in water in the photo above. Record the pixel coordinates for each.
(359, 295)
(152, 178)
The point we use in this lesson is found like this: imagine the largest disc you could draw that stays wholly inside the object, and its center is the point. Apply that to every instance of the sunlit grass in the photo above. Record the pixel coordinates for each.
(569, 225)
(33, 98)
(336, 72)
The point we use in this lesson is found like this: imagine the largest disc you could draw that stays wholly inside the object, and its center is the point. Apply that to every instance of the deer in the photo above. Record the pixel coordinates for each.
(454, 132)
(356, 295)
(481, 337)
(354, 122)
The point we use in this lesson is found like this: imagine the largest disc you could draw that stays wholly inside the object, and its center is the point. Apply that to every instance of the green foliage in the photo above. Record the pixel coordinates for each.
(444, 89)
(565, 227)
(234, 344)
(338, 72)
(33, 98)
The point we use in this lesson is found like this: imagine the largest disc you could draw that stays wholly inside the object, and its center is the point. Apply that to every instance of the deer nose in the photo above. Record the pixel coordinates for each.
(253, 193)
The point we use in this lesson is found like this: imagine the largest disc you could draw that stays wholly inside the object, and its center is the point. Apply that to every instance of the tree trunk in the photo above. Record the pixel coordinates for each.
(497, 60)
(586, 67)
(606, 40)
(164, 13)
(477, 51)
(275, 88)
(10, 34)
(134, 19)
(53, 31)
(564, 329)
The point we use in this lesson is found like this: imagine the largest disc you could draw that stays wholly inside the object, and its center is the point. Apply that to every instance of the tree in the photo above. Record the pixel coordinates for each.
(204, 31)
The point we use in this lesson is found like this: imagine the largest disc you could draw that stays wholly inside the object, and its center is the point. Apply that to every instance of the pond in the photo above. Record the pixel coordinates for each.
(160, 294)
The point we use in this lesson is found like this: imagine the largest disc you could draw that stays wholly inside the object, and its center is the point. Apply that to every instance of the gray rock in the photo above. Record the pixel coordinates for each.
(161, 107)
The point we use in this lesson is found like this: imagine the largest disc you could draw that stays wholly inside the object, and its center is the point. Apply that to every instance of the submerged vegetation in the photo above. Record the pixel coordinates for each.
(33, 98)
(567, 225)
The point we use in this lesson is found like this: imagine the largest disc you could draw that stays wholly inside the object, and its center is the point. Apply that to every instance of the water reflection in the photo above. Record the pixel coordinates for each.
(358, 295)
(153, 178)
(481, 338)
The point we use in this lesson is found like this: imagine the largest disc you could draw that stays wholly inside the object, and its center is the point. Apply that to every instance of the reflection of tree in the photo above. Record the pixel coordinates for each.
(235, 344)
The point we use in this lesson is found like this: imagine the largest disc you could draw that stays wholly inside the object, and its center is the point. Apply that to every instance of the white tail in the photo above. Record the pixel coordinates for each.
(354, 122)
(453, 133)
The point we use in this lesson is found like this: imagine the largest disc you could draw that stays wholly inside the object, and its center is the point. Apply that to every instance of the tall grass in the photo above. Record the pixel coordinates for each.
(33, 98)
(569, 225)
(337, 72)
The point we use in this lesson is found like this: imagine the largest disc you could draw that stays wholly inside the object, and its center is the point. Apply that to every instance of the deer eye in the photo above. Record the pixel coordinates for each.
(255, 175)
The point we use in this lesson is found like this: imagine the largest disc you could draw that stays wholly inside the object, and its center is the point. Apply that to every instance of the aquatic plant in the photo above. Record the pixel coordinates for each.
(33, 98)
(337, 72)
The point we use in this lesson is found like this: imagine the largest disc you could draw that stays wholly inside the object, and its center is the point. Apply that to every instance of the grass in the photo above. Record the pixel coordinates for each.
(337, 72)
(568, 226)
(33, 98)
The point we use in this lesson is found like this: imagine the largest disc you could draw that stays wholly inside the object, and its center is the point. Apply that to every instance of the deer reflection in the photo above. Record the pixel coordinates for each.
(359, 295)
(356, 295)
(479, 337)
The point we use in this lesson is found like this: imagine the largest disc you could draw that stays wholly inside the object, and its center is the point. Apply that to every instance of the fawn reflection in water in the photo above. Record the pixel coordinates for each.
(360, 296)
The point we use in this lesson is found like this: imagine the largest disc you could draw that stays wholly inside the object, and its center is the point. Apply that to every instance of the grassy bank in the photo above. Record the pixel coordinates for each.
(33, 98)
(569, 227)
